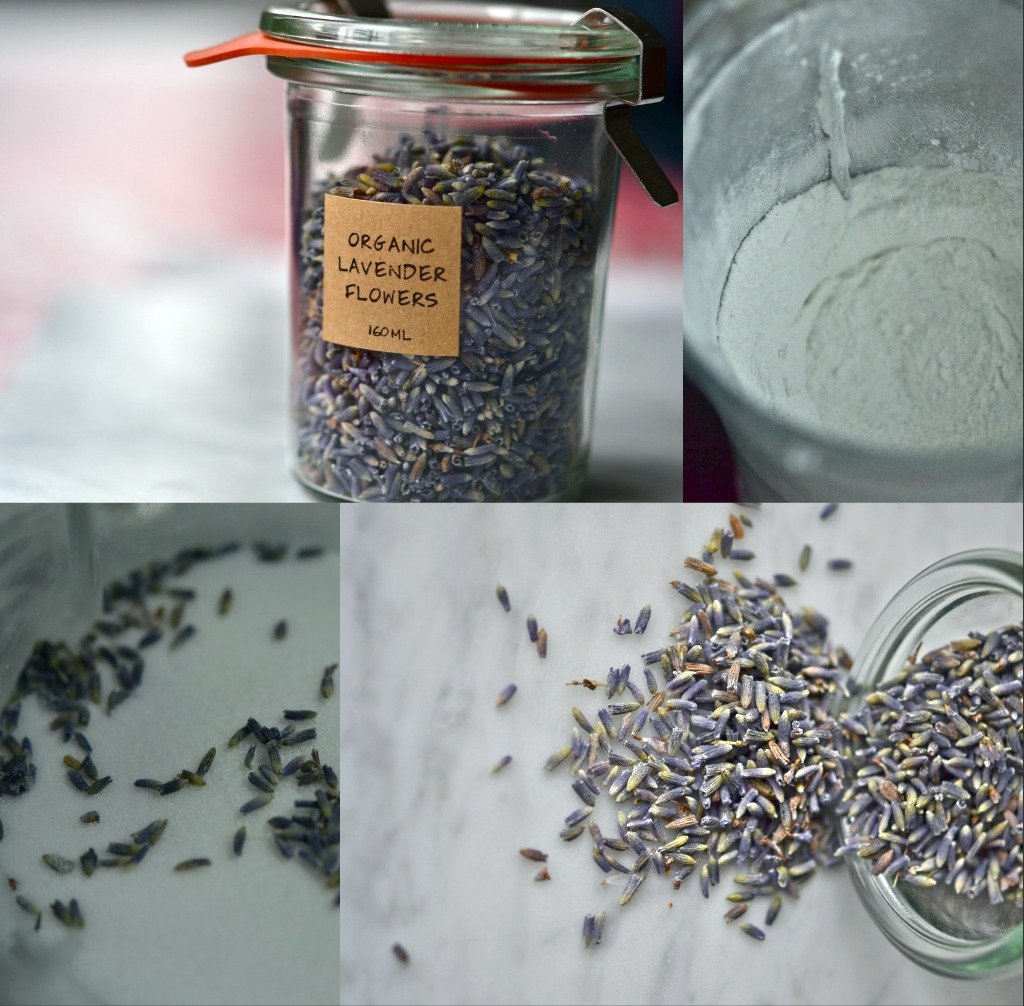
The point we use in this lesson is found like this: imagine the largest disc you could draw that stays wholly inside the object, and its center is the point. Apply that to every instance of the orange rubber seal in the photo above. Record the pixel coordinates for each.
(257, 43)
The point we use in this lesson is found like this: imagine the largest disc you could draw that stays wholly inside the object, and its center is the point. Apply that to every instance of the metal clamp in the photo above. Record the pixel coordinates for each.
(651, 79)
(653, 48)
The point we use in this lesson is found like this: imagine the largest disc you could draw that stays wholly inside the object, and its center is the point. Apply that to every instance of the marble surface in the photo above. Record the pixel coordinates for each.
(432, 836)
(254, 929)
(173, 389)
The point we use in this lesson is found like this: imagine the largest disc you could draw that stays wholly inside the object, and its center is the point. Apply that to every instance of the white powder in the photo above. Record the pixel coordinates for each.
(890, 319)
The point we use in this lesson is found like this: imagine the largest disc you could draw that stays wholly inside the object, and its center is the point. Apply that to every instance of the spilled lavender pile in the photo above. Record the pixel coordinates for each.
(936, 757)
(724, 753)
(505, 420)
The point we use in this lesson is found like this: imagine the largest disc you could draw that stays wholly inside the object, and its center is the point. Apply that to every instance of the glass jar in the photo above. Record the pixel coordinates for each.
(945, 932)
(453, 177)
(509, 417)
(920, 84)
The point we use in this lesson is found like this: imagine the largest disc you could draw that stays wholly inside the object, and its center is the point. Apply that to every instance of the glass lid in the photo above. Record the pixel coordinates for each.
(453, 28)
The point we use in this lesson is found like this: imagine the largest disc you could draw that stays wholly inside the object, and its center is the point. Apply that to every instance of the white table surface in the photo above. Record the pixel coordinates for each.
(432, 837)
(173, 389)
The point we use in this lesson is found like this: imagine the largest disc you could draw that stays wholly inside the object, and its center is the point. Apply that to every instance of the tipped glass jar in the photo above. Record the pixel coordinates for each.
(919, 670)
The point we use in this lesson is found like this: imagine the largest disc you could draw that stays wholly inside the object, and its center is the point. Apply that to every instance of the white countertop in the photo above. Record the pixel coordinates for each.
(432, 836)
(173, 389)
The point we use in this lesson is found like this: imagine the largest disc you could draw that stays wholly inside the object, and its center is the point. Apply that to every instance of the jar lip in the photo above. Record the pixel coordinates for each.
(456, 28)
(981, 569)
(450, 48)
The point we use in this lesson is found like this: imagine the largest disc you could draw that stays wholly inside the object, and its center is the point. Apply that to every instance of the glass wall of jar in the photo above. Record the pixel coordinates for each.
(509, 417)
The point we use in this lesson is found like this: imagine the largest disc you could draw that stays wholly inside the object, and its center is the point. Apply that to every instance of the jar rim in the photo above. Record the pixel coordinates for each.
(991, 569)
(895, 632)
(453, 28)
(503, 49)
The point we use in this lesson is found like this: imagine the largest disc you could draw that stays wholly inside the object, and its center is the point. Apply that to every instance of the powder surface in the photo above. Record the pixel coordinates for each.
(890, 319)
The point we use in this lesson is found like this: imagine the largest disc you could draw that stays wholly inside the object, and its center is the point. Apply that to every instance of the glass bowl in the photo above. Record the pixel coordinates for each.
(936, 83)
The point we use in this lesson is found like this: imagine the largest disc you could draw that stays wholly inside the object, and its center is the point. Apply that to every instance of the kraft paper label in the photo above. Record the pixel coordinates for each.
(392, 276)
